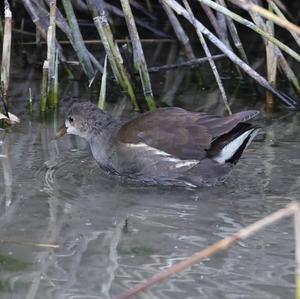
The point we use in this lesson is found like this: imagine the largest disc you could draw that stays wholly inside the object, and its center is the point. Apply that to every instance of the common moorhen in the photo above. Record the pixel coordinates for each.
(169, 146)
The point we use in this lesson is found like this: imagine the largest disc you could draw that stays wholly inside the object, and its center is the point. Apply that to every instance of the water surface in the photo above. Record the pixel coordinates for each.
(53, 192)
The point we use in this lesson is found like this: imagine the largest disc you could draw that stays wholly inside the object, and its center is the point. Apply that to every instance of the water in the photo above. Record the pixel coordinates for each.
(53, 192)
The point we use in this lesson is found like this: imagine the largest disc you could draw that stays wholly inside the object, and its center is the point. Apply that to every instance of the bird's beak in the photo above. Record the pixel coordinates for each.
(62, 131)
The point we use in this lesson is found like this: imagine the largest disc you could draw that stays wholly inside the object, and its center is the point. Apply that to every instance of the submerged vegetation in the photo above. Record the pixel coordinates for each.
(215, 25)
(218, 27)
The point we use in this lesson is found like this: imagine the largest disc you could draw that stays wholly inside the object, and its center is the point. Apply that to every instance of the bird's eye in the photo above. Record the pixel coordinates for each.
(71, 119)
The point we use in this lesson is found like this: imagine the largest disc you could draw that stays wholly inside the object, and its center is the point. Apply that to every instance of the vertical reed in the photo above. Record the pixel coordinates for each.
(51, 57)
(6, 50)
(276, 9)
(44, 87)
(54, 96)
(30, 101)
(79, 45)
(234, 34)
(290, 74)
(271, 66)
(102, 94)
(208, 54)
(232, 56)
(35, 18)
(181, 36)
(243, 21)
(112, 49)
(138, 55)
(282, 62)
(254, 8)
(110, 46)
(223, 33)
(179, 31)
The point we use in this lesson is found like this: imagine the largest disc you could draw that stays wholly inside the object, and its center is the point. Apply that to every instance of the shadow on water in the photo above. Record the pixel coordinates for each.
(53, 192)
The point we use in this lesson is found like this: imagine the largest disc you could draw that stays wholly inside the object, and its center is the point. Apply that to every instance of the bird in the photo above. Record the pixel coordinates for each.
(169, 146)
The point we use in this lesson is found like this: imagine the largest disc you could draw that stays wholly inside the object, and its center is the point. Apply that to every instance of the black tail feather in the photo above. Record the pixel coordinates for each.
(234, 159)
(221, 142)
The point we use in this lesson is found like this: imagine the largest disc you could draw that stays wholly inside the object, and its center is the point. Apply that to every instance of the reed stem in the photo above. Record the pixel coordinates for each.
(44, 87)
(282, 62)
(287, 70)
(234, 34)
(54, 99)
(102, 94)
(138, 55)
(179, 31)
(79, 45)
(271, 66)
(232, 56)
(112, 50)
(209, 56)
(30, 101)
(281, 15)
(249, 6)
(51, 57)
(251, 26)
(6, 51)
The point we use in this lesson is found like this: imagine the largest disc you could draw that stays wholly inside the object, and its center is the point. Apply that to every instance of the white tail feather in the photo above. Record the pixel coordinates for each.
(231, 148)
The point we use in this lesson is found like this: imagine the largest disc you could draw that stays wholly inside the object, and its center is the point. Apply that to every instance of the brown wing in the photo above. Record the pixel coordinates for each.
(183, 134)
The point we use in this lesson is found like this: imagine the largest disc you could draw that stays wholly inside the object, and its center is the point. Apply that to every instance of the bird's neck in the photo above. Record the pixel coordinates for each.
(101, 142)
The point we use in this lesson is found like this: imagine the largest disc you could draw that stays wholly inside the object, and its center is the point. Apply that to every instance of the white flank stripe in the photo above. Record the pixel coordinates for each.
(184, 163)
(163, 155)
(147, 148)
(136, 145)
(230, 149)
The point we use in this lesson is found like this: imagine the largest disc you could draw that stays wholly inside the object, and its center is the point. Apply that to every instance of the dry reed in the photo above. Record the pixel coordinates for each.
(232, 56)
(44, 87)
(138, 55)
(79, 45)
(251, 26)
(6, 51)
(293, 209)
(208, 54)
(179, 31)
(249, 6)
(51, 55)
(222, 19)
(102, 94)
(112, 49)
(272, 59)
